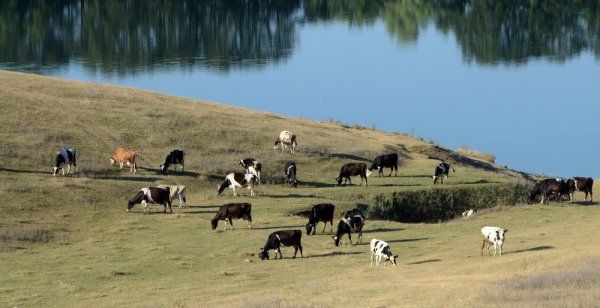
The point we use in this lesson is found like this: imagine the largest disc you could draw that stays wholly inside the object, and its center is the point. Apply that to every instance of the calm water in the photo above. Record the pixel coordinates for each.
(519, 81)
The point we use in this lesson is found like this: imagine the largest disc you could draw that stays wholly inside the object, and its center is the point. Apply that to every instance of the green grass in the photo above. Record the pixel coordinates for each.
(68, 241)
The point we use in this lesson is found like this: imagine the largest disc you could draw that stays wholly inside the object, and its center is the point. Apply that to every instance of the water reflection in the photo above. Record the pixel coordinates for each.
(115, 36)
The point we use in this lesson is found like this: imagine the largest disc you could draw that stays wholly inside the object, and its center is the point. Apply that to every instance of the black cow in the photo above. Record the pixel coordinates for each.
(290, 171)
(67, 157)
(233, 210)
(148, 195)
(320, 212)
(176, 157)
(353, 169)
(252, 166)
(285, 238)
(442, 170)
(385, 161)
(547, 187)
(347, 225)
(580, 184)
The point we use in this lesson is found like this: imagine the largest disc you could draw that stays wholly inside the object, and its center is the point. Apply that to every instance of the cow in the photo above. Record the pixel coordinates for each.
(237, 179)
(176, 191)
(290, 172)
(493, 236)
(123, 155)
(176, 157)
(232, 210)
(468, 213)
(385, 161)
(65, 157)
(347, 225)
(252, 166)
(580, 184)
(148, 195)
(320, 212)
(352, 169)
(547, 187)
(286, 139)
(442, 170)
(285, 238)
(380, 249)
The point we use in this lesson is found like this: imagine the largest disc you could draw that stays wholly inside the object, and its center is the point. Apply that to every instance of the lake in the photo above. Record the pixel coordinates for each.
(517, 79)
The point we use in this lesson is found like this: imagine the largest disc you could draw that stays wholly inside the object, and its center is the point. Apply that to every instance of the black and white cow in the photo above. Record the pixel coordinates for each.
(290, 172)
(580, 184)
(347, 225)
(148, 195)
(65, 157)
(320, 212)
(353, 169)
(442, 170)
(285, 238)
(176, 191)
(380, 249)
(176, 157)
(385, 161)
(232, 210)
(252, 166)
(547, 187)
(237, 179)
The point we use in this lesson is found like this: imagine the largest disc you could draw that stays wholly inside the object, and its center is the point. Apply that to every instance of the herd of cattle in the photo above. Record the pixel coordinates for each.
(352, 222)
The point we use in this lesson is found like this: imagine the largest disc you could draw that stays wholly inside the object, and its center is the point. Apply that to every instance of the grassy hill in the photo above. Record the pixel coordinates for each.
(69, 241)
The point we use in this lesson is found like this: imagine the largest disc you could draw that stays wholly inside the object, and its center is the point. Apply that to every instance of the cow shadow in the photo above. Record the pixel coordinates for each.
(289, 196)
(200, 212)
(537, 248)
(125, 178)
(408, 240)
(316, 184)
(400, 185)
(584, 203)
(277, 227)
(335, 253)
(424, 261)
(349, 156)
(415, 176)
(203, 206)
(383, 230)
(28, 171)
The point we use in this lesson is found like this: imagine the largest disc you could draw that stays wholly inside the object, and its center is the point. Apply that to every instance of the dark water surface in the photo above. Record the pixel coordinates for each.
(518, 79)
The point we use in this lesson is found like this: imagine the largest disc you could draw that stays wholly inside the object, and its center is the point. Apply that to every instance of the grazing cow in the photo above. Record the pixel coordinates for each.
(493, 236)
(352, 169)
(442, 170)
(385, 161)
(467, 214)
(237, 179)
(233, 210)
(580, 184)
(176, 157)
(347, 225)
(320, 212)
(252, 166)
(380, 249)
(286, 139)
(67, 157)
(547, 187)
(290, 171)
(148, 195)
(285, 238)
(123, 155)
(176, 191)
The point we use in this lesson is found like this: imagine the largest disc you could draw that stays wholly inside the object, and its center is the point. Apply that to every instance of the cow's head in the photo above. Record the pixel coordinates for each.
(213, 223)
(294, 182)
(339, 180)
(55, 171)
(309, 228)
(369, 172)
(222, 187)
(393, 259)
(163, 169)
(387, 253)
(336, 239)
(264, 254)
(130, 205)
(277, 143)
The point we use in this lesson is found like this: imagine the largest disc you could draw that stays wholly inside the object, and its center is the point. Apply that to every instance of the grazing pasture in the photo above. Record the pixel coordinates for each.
(68, 241)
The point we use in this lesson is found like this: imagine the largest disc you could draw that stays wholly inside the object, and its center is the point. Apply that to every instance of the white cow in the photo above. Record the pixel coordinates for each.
(286, 139)
(495, 236)
(241, 180)
(176, 191)
(381, 249)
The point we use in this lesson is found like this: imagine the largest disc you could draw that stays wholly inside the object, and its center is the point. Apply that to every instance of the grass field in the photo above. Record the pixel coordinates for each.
(68, 241)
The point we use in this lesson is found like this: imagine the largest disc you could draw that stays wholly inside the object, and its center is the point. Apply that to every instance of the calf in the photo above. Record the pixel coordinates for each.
(493, 236)
(547, 187)
(252, 166)
(320, 212)
(580, 184)
(67, 157)
(176, 191)
(236, 179)
(148, 195)
(123, 155)
(286, 139)
(380, 249)
(176, 157)
(290, 172)
(285, 238)
(442, 170)
(385, 161)
(353, 169)
(233, 210)
(347, 225)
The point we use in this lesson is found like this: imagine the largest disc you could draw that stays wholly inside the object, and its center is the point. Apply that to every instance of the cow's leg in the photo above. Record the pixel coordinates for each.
(145, 205)
(225, 227)
(482, 246)
(231, 223)
(295, 252)
(233, 188)
(350, 237)
(331, 226)
(359, 237)
(120, 165)
(300, 247)
(278, 251)
(324, 226)
(249, 224)
(372, 255)
(68, 168)
(181, 202)
(170, 208)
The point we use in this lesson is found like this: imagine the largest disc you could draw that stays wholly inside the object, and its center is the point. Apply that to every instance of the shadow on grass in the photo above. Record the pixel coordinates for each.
(416, 176)
(584, 203)
(316, 184)
(335, 253)
(170, 172)
(382, 230)
(200, 212)
(202, 206)
(538, 248)
(349, 156)
(132, 178)
(28, 171)
(409, 240)
(300, 227)
(400, 185)
(424, 261)
(288, 196)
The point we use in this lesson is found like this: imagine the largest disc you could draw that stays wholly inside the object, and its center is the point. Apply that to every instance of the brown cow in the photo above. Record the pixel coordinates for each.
(352, 169)
(232, 210)
(123, 155)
